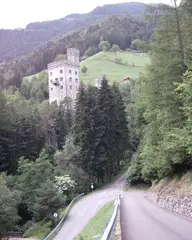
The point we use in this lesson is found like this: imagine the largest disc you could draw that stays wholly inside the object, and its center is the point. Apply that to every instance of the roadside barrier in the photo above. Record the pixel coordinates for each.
(109, 231)
(60, 224)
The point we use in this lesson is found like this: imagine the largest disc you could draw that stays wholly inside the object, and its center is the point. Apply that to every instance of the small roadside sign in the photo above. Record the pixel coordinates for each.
(55, 215)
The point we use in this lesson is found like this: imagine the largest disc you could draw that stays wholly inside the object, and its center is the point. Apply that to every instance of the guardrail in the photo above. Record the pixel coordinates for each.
(59, 225)
(109, 230)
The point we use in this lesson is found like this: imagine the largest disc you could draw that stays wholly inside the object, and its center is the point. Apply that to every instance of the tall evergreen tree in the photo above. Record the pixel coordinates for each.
(81, 124)
(107, 104)
(122, 134)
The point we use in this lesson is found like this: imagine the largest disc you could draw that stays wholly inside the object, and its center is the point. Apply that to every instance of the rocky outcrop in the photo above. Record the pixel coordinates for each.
(175, 203)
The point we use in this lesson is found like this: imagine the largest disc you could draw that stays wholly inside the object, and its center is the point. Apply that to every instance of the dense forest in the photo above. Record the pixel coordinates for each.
(50, 153)
(20, 42)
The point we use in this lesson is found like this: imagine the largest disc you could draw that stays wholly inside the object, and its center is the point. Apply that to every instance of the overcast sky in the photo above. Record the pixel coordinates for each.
(18, 13)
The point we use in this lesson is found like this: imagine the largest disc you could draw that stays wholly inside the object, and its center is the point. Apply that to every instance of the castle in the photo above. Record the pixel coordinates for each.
(64, 77)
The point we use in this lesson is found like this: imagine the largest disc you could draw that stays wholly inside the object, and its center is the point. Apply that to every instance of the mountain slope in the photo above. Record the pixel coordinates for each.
(131, 8)
(19, 42)
(117, 30)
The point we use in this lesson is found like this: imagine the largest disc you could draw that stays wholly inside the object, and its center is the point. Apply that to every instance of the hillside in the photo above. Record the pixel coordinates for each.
(115, 67)
(35, 87)
(19, 42)
(116, 30)
(106, 64)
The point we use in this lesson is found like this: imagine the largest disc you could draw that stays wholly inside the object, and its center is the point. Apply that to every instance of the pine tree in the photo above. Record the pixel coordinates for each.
(106, 102)
(122, 134)
(94, 136)
(3, 162)
(81, 123)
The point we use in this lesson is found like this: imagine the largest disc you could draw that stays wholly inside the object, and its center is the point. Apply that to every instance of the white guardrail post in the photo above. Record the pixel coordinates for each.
(63, 218)
(112, 220)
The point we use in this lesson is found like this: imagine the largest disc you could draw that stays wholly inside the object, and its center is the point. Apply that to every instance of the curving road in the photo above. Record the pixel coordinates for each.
(140, 219)
(86, 208)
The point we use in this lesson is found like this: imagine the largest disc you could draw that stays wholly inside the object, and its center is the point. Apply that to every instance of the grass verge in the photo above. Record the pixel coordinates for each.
(38, 231)
(94, 228)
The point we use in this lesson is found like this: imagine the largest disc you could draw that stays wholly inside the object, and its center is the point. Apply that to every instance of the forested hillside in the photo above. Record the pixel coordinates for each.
(162, 101)
(50, 153)
(19, 42)
(116, 30)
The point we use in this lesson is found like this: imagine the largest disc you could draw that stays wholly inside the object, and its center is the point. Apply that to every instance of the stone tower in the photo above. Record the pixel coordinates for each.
(73, 55)
(64, 77)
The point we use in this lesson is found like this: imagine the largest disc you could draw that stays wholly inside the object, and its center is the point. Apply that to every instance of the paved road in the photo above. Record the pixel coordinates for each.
(86, 208)
(142, 220)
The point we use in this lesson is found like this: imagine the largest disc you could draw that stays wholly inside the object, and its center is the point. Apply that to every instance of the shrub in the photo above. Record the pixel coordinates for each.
(84, 69)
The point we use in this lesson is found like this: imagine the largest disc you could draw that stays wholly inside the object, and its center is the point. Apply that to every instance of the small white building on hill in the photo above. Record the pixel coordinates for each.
(98, 82)
(64, 77)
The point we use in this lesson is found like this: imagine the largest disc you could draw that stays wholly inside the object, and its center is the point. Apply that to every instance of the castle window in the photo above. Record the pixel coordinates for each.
(76, 88)
(75, 72)
(51, 89)
(50, 73)
(70, 87)
(76, 80)
(70, 79)
(51, 81)
(61, 86)
(69, 71)
(56, 79)
(61, 71)
(61, 79)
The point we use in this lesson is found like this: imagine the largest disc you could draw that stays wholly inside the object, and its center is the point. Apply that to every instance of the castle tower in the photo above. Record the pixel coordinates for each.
(73, 55)
(64, 77)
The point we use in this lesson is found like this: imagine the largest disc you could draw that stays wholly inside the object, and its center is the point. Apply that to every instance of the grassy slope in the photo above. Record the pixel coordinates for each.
(103, 63)
(94, 228)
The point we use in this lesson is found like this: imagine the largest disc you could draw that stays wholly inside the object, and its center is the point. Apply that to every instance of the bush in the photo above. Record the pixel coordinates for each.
(47, 201)
(8, 211)
(91, 51)
(104, 46)
(126, 159)
(115, 48)
(119, 60)
(134, 171)
(38, 231)
(84, 69)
